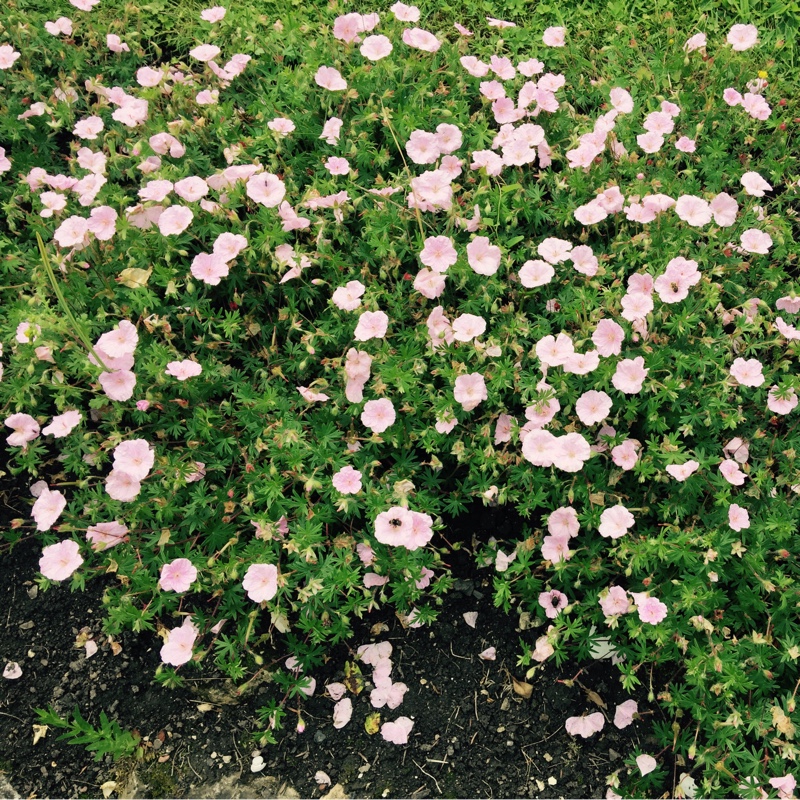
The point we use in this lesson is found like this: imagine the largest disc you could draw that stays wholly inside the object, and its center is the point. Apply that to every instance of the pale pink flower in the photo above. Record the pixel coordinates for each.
(749, 372)
(732, 97)
(742, 37)
(781, 406)
(483, 257)
(371, 325)
(756, 106)
(791, 305)
(621, 100)
(467, 327)
(134, 457)
(499, 23)
(266, 189)
(530, 67)
(785, 785)
(102, 222)
(553, 602)
(536, 273)
(61, 27)
(342, 712)
(738, 518)
(570, 452)
(177, 575)
(348, 297)
(554, 250)
(615, 602)
(347, 480)
(175, 220)
(724, 208)
(59, 561)
(624, 713)
(593, 407)
(474, 66)
(650, 142)
(72, 232)
(376, 47)
(584, 260)
(25, 428)
(421, 40)
(214, 14)
(394, 527)
(439, 328)
(754, 184)
(629, 375)
(423, 147)
(696, 42)
(47, 509)
(149, 77)
(331, 130)
(209, 268)
(461, 29)
(337, 165)
(438, 253)
(63, 424)
(52, 202)
(115, 44)
(94, 162)
(731, 472)
(585, 726)
(310, 396)
(347, 27)
(429, 284)
(693, 210)
(121, 341)
(502, 431)
(555, 351)
(177, 649)
(563, 522)
(405, 13)
(191, 189)
(261, 582)
(445, 426)
(555, 37)
(650, 609)
(228, 245)
(756, 241)
(183, 370)
(608, 338)
(686, 145)
(8, 55)
(281, 125)
(330, 79)
(118, 384)
(449, 137)
(397, 732)
(205, 52)
(104, 535)
(682, 471)
(378, 415)
(625, 455)
(207, 97)
(470, 390)
(615, 522)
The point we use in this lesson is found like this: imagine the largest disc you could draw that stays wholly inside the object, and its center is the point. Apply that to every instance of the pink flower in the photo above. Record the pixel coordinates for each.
(570, 452)
(397, 732)
(724, 208)
(330, 79)
(261, 582)
(177, 575)
(405, 13)
(175, 220)
(177, 649)
(646, 763)
(209, 268)
(62, 26)
(205, 52)
(650, 609)
(121, 486)
(742, 37)
(756, 106)
(182, 370)
(732, 97)
(134, 457)
(118, 385)
(489, 654)
(376, 47)
(102, 222)
(25, 428)
(470, 390)
(228, 245)
(8, 55)
(62, 424)
(756, 241)
(754, 184)
(785, 785)
(104, 535)
(342, 712)
(682, 471)
(474, 66)
(738, 518)
(615, 522)
(483, 257)
(421, 40)
(331, 130)
(429, 284)
(693, 210)
(650, 142)
(207, 97)
(191, 189)
(784, 405)
(266, 189)
(348, 297)
(585, 726)
(625, 455)
(608, 337)
(60, 560)
(502, 431)
(423, 147)
(696, 42)
(371, 325)
(731, 472)
(553, 602)
(615, 602)
(400, 527)
(378, 415)
(536, 273)
(593, 407)
(121, 341)
(629, 375)
(347, 480)
(337, 166)
(115, 44)
(214, 14)
(72, 232)
(438, 253)
(749, 372)
(310, 396)
(624, 713)
(47, 509)
(686, 145)
(563, 522)
(467, 327)
(554, 37)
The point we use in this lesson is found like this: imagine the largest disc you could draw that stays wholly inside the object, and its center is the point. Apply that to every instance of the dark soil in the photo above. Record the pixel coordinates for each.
(473, 736)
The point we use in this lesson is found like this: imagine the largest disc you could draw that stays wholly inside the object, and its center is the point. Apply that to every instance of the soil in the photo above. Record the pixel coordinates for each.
(473, 735)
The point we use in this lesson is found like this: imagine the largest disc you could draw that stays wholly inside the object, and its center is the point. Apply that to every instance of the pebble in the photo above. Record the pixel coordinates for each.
(319, 737)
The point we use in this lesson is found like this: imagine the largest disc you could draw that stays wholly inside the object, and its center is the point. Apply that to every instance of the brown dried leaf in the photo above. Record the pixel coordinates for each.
(596, 699)
(782, 722)
(522, 688)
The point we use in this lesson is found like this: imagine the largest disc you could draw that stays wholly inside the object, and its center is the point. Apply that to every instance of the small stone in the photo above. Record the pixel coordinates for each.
(547, 757)
(319, 737)
(551, 781)
(26, 626)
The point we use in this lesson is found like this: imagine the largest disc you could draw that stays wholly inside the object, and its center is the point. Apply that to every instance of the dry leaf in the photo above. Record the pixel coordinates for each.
(108, 787)
(352, 677)
(521, 688)
(372, 724)
(134, 278)
(39, 732)
(782, 722)
(596, 699)
(203, 707)
(116, 647)
(378, 628)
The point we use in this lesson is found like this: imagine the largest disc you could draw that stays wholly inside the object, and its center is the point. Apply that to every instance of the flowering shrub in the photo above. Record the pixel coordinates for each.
(300, 294)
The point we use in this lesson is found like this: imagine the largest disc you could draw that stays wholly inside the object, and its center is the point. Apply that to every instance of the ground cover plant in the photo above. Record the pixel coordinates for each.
(282, 290)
